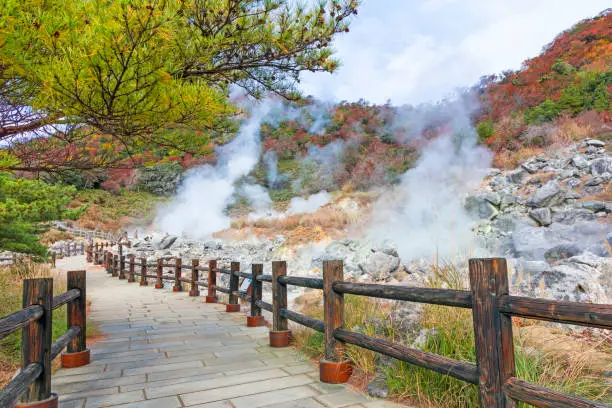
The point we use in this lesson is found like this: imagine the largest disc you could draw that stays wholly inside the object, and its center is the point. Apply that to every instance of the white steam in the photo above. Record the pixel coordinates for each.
(198, 209)
(424, 214)
(299, 205)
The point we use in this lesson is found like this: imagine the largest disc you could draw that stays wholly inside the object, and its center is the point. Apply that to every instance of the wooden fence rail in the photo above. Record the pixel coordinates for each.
(33, 383)
(489, 299)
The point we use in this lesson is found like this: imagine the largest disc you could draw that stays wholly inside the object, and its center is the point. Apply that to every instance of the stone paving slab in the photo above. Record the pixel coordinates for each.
(168, 350)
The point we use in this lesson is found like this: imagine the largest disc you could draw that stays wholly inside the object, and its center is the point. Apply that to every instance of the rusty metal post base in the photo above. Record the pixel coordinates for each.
(177, 288)
(211, 299)
(78, 359)
(51, 402)
(231, 308)
(159, 286)
(131, 280)
(144, 283)
(333, 372)
(280, 338)
(255, 321)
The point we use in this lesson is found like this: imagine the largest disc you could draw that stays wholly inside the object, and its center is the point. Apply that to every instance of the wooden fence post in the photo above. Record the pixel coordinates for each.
(82, 248)
(233, 305)
(122, 267)
(492, 331)
(333, 368)
(159, 284)
(280, 335)
(143, 272)
(178, 285)
(108, 260)
(89, 254)
(132, 262)
(211, 295)
(53, 255)
(195, 289)
(36, 340)
(77, 353)
(256, 319)
(115, 266)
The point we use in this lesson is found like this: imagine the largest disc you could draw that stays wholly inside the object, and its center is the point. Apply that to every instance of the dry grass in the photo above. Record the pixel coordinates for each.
(449, 332)
(508, 160)
(53, 235)
(11, 278)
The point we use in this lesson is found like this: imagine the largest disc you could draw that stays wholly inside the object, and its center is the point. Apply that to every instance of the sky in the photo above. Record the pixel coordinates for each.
(413, 51)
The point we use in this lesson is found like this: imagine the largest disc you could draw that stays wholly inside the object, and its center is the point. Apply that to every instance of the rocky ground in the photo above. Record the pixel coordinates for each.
(550, 217)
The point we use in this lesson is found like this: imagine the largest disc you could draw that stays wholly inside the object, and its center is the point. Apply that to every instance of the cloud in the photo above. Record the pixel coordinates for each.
(412, 52)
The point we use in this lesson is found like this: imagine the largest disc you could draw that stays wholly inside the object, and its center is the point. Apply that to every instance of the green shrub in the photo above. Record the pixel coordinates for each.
(544, 112)
(563, 68)
(485, 130)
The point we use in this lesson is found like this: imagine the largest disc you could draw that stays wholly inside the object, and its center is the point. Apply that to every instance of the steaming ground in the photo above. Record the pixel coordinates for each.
(549, 217)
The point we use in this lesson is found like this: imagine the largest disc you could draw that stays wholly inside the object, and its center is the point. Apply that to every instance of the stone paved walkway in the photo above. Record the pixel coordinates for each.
(167, 350)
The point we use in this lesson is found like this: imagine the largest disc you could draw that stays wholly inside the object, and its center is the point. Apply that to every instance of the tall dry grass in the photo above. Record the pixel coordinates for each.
(11, 279)
(449, 332)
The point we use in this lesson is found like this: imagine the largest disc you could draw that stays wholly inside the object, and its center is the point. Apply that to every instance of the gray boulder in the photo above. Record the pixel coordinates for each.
(595, 142)
(594, 181)
(594, 206)
(560, 252)
(549, 194)
(380, 265)
(507, 200)
(571, 215)
(542, 216)
(480, 207)
(580, 162)
(601, 166)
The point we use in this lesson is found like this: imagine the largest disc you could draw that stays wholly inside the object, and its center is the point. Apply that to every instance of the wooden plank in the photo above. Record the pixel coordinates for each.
(462, 370)
(307, 321)
(333, 303)
(36, 337)
(19, 385)
(445, 297)
(314, 283)
(63, 341)
(279, 296)
(492, 331)
(77, 311)
(584, 314)
(132, 264)
(233, 283)
(143, 272)
(256, 289)
(265, 305)
(62, 299)
(195, 289)
(212, 281)
(21, 318)
(541, 397)
(121, 266)
(178, 286)
(159, 283)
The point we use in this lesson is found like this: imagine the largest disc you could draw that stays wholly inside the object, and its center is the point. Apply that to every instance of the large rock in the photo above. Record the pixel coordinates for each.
(542, 216)
(560, 252)
(570, 215)
(380, 265)
(547, 195)
(480, 207)
(601, 166)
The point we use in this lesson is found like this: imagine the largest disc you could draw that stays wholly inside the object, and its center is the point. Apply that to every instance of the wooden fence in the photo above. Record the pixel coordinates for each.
(59, 252)
(33, 382)
(489, 299)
